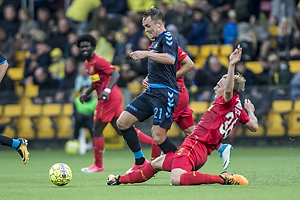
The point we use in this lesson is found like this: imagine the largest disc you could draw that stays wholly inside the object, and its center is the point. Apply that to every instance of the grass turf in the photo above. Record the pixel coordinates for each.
(273, 173)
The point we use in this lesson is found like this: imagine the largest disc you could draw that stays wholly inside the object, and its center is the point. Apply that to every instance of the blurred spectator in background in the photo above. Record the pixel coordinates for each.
(207, 77)
(215, 28)
(75, 53)
(279, 76)
(26, 25)
(222, 6)
(78, 14)
(134, 33)
(57, 66)
(120, 43)
(284, 39)
(59, 35)
(115, 6)
(131, 70)
(183, 18)
(103, 47)
(144, 43)
(66, 87)
(295, 87)
(101, 22)
(199, 29)
(230, 31)
(255, 39)
(84, 113)
(72, 37)
(247, 73)
(7, 47)
(82, 79)
(10, 22)
(247, 10)
(169, 14)
(44, 22)
(139, 6)
(263, 77)
(280, 9)
(47, 86)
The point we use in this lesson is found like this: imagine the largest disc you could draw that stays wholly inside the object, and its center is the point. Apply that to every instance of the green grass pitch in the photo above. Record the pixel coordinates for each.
(273, 174)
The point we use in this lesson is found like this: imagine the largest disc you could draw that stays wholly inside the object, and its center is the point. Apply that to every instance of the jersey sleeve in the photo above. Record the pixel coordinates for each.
(170, 44)
(244, 117)
(2, 59)
(181, 55)
(104, 66)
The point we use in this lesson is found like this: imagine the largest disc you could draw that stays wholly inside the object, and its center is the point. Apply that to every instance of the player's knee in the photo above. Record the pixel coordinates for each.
(121, 124)
(175, 180)
(158, 139)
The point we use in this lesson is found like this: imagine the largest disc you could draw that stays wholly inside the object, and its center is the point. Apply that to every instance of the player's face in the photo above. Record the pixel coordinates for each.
(219, 88)
(151, 28)
(86, 48)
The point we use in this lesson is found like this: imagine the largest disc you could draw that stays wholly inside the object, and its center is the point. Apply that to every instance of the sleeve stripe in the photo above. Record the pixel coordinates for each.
(172, 56)
(3, 62)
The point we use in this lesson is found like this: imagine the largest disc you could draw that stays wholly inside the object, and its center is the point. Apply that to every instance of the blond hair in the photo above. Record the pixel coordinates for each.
(239, 83)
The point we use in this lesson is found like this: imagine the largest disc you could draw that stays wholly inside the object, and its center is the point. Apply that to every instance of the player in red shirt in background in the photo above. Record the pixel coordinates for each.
(109, 107)
(216, 124)
(183, 113)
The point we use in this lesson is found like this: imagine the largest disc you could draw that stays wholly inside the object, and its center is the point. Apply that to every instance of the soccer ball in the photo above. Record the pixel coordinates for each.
(72, 147)
(60, 174)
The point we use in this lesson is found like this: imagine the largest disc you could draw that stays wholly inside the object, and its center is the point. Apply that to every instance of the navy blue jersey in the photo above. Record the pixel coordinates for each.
(162, 75)
(2, 59)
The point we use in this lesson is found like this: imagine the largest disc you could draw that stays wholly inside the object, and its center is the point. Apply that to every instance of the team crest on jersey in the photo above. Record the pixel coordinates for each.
(180, 151)
(155, 46)
(92, 70)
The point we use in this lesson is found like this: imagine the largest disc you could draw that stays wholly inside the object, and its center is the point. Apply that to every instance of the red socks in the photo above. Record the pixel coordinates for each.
(138, 176)
(197, 178)
(144, 138)
(98, 150)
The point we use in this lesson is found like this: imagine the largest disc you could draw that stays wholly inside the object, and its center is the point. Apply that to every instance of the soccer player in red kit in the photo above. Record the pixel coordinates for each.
(216, 124)
(183, 113)
(109, 107)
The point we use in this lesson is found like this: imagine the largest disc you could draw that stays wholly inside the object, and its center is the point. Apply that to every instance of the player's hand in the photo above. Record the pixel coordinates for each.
(82, 98)
(235, 56)
(145, 82)
(137, 55)
(103, 96)
(249, 106)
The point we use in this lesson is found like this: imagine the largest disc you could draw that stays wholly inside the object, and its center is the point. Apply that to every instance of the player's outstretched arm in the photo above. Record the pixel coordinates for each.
(233, 59)
(162, 58)
(252, 124)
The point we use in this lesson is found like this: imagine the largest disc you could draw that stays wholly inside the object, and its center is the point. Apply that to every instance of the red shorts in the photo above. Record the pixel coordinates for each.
(190, 156)
(108, 109)
(183, 113)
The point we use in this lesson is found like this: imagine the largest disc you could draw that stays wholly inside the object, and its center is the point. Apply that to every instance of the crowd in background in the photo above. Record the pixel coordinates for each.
(47, 36)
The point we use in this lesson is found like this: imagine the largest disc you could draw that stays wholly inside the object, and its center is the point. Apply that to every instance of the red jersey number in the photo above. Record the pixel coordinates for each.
(228, 125)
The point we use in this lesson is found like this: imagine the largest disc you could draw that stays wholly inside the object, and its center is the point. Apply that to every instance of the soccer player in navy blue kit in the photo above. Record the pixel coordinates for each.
(19, 144)
(161, 97)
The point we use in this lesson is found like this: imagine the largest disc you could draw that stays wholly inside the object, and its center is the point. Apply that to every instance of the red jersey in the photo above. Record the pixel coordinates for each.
(99, 70)
(181, 56)
(217, 122)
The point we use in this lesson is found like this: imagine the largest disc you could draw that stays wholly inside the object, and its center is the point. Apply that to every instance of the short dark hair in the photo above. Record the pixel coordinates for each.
(88, 38)
(154, 13)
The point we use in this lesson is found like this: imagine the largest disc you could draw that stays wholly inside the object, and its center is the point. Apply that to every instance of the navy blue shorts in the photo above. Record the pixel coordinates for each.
(160, 103)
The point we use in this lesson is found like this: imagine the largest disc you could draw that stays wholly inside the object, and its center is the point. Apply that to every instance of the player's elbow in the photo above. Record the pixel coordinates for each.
(171, 61)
